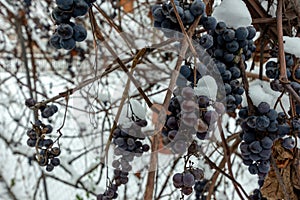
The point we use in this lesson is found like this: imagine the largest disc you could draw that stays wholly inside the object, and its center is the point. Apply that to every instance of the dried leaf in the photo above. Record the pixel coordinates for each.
(127, 5)
(296, 171)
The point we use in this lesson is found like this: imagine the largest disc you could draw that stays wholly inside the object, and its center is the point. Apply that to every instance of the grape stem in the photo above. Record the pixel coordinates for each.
(246, 87)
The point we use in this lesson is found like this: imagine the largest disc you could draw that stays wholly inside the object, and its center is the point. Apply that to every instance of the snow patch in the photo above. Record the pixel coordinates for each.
(291, 45)
(207, 86)
(234, 13)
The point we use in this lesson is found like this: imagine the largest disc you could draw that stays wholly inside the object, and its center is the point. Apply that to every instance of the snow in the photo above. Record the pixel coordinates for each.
(260, 91)
(291, 45)
(273, 7)
(234, 13)
(207, 86)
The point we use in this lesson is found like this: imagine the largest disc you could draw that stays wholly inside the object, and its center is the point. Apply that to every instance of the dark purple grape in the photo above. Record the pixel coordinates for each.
(203, 101)
(31, 142)
(232, 46)
(228, 35)
(206, 41)
(178, 179)
(188, 17)
(272, 114)
(251, 32)
(241, 33)
(80, 8)
(235, 72)
(198, 173)
(209, 23)
(65, 31)
(61, 16)
(172, 15)
(49, 167)
(253, 169)
(220, 28)
(119, 141)
(244, 147)
(263, 107)
(65, 4)
(247, 162)
(288, 143)
(187, 190)
(55, 162)
(197, 8)
(172, 134)
(172, 123)
(255, 147)
(188, 179)
(283, 129)
(262, 122)
(49, 128)
(185, 71)
(243, 113)
(201, 126)
(265, 153)
(68, 44)
(249, 136)
(80, 33)
(266, 143)
(30, 102)
(158, 14)
(264, 166)
(251, 121)
(145, 147)
(201, 136)
(254, 157)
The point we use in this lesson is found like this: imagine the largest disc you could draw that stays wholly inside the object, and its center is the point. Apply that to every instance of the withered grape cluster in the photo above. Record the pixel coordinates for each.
(38, 137)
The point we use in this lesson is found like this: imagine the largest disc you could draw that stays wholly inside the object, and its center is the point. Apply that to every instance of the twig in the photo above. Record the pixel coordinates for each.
(246, 86)
(283, 76)
(227, 156)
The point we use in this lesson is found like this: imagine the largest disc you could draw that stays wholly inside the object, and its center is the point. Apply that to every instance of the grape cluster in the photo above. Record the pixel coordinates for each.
(229, 47)
(189, 116)
(68, 33)
(127, 145)
(187, 179)
(47, 153)
(165, 18)
(260, 130)
(200, 188)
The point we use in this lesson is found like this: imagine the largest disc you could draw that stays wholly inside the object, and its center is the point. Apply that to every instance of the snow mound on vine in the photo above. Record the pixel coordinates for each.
(291, 45)
(207, 86)
(234, 13)
(260, 91)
